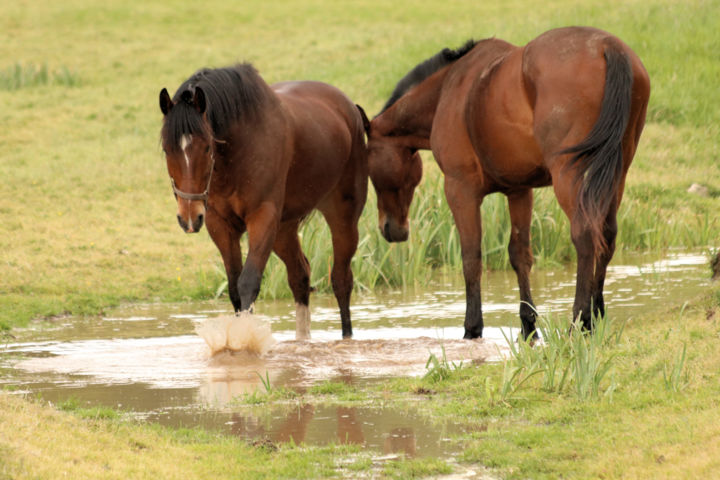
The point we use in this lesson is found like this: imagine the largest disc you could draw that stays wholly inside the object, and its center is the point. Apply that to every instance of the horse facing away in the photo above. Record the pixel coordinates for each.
(566, 110)
(246, 156)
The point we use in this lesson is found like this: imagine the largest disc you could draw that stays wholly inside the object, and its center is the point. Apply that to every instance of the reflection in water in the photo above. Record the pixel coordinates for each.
(146, 359)
(321, 425)
(401, 440)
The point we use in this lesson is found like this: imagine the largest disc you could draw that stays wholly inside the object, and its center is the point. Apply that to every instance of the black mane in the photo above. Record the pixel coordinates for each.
(232, 93)
(425, 69)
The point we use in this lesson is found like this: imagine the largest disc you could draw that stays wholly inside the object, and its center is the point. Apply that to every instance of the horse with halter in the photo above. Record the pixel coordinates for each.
(247, 156)
(566, 110)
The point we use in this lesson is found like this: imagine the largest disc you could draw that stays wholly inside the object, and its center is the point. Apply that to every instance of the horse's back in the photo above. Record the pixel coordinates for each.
(328, 146)
(325, 103)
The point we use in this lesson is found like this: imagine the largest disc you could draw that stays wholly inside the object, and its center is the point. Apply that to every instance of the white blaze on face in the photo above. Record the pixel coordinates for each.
(185, 141)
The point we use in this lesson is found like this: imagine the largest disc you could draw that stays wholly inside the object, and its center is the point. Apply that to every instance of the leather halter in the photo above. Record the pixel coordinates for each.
(195, 196)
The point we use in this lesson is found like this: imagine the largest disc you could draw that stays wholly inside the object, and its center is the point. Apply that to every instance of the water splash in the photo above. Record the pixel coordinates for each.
(238, 333)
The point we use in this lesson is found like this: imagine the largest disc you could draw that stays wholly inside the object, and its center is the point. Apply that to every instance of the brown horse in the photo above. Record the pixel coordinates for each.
(246, 156)
(566, 110)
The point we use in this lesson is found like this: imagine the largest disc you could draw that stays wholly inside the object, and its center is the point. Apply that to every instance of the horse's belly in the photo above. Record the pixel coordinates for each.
(513, 158)
(309, 182)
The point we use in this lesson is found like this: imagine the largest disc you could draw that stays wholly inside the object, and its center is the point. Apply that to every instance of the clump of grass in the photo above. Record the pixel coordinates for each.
(18, 76)
(439, 369)
(265, 381)
(416, 468)
(73, 406)
(271, 394)
(574, 361)
(675, 375)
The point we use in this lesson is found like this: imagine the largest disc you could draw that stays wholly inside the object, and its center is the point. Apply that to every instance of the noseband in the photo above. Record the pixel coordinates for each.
(195, 196)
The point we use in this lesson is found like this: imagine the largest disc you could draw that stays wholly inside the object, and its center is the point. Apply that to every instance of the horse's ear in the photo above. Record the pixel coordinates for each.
(166, 102)
(365, 120)
(199, 101)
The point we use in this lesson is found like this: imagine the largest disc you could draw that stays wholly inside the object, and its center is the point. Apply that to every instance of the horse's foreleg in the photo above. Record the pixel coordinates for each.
(227, 240)
(287, 247)
(521, 257)
(464, 204)
(262, 226)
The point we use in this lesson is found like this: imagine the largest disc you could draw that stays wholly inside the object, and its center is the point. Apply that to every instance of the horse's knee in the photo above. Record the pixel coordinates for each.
(341, 280)
(520, 256)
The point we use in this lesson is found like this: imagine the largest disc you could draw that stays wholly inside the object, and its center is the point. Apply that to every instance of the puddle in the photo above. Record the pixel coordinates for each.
(146, 358)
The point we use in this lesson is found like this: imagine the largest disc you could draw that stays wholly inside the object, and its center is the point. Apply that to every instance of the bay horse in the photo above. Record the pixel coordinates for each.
(243, 155)
(566, 110)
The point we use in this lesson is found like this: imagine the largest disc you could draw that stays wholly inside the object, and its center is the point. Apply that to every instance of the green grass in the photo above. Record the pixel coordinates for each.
(91, 413)
(88, 216)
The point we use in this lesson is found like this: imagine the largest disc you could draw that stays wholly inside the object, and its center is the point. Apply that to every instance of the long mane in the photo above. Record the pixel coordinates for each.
(426, 68)
(232, 93)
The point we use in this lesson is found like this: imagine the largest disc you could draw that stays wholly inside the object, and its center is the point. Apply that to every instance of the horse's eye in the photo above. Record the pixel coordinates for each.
(207, 149)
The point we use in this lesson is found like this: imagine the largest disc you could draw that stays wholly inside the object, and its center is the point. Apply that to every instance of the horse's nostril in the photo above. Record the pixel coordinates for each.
(183, 224)
(194, 225)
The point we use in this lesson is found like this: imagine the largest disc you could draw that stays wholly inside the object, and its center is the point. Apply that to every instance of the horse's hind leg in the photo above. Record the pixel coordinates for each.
(521, 257)
(342, 217)
(610, 232)
(345, 240)
(287, 247)
(566, 192)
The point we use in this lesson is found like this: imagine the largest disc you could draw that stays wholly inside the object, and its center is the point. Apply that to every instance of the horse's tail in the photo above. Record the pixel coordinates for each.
(365, 119)
(600, 156)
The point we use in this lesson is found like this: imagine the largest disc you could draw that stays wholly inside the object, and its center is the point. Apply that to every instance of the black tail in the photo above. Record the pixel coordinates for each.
(600, 155)
(365, 119)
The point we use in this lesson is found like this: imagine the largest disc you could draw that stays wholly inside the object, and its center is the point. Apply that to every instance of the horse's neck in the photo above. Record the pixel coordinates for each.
(412, 115)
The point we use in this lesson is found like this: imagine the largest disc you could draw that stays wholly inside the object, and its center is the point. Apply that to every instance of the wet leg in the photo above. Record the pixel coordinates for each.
(287, 247)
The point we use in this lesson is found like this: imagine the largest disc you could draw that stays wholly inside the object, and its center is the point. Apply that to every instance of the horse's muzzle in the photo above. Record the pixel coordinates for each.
(393, 232)
(191, 227)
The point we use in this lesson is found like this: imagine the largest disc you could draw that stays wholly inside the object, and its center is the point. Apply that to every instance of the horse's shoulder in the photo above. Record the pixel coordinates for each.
(467, 72)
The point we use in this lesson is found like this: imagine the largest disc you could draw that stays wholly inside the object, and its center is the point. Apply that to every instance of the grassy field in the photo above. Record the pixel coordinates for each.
(88, 222)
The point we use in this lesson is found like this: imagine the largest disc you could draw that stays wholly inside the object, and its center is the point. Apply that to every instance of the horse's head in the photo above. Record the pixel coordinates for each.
(395, 170)
(189, 150)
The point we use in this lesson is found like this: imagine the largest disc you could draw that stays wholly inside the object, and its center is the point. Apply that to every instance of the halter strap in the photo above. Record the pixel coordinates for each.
(190, 196)
(195, 196)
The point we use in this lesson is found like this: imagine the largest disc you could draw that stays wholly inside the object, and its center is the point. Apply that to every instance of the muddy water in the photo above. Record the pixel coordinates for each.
(147, 360)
